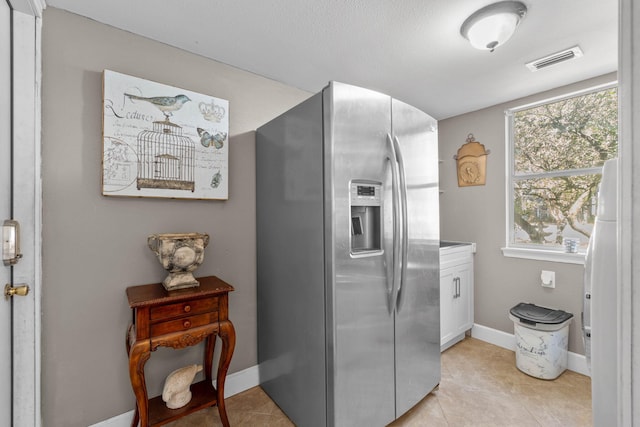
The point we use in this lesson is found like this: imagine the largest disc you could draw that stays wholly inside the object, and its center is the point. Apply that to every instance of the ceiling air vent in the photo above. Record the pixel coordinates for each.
(555, 58)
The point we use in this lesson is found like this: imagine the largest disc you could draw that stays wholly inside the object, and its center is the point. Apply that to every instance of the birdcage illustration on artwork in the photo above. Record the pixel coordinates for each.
(166, 158)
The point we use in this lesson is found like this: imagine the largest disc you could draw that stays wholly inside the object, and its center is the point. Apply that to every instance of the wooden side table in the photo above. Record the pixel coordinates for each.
(179, 319)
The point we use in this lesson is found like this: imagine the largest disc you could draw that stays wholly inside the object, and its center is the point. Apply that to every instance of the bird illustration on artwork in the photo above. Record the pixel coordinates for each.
(166, 104)
(206, 139)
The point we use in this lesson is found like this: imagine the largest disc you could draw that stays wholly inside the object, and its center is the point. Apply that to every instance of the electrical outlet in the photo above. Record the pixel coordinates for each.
(548, 279)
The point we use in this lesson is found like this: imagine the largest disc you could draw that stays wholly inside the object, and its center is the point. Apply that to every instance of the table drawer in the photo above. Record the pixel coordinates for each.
(183, 323)
(185, 308)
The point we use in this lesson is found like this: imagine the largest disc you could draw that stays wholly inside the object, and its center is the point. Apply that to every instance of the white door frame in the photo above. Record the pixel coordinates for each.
(27, 208)
(6, 331)
(629, 237)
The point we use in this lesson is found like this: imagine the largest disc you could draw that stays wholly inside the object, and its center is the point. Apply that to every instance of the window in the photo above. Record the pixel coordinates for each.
(556, 152)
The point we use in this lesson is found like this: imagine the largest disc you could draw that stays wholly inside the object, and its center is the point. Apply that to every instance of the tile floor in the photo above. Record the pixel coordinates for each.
(480, 386)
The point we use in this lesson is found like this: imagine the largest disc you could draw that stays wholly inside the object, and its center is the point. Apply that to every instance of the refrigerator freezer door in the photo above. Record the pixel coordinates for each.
(417, 325)
(290, 259)
(360, 353)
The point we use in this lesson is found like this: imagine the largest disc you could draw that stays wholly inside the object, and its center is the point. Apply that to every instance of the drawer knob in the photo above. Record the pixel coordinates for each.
(187, 308)
(186, 323)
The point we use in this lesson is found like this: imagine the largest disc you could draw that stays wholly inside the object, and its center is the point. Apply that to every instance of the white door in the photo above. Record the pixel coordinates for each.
(5, 210)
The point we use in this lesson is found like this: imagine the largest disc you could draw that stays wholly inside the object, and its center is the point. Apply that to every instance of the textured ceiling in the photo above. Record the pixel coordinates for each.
(410, 49)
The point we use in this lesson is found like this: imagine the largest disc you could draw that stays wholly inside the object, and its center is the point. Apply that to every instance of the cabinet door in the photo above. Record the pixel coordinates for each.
(448, 327)
(463, 304)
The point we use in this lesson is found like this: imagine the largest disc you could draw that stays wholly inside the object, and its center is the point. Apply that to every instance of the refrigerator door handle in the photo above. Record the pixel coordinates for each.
(395, 196)
(404, 222)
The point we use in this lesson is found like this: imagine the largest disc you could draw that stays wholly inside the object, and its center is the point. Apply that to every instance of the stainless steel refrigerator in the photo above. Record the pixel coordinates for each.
(348, 258)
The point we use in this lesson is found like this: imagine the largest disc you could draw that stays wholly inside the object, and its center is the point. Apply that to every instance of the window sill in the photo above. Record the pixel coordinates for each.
(544, 255)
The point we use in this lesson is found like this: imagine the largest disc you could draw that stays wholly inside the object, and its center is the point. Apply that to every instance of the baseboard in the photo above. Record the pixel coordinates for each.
(235, 383)
(494, 336)
(241, 381)
(575, 362)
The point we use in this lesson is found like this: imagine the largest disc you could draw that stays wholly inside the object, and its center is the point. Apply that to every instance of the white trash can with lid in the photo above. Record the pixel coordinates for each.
(542, 339)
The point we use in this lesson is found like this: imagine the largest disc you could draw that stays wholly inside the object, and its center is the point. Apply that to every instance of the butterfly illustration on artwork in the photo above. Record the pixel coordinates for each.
(207, 139)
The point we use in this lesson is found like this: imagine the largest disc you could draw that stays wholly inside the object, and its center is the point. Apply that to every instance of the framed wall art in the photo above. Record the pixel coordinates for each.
(163, 141)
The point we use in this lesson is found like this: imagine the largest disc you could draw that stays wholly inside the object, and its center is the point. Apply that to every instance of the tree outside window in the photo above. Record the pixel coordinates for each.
(557, 151)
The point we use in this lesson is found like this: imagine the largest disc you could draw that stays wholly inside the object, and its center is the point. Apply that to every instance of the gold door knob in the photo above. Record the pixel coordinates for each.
(20, 290)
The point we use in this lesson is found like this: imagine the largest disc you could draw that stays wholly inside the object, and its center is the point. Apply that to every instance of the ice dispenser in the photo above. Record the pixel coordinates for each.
(366, 228)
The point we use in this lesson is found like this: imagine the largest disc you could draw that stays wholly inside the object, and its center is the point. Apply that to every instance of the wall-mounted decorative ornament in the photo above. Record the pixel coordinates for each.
(162, 141)
(471, 162)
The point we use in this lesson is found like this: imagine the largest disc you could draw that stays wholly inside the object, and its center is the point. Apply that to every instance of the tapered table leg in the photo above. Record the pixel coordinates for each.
(209, 349)
(138, 356)
(228, 336)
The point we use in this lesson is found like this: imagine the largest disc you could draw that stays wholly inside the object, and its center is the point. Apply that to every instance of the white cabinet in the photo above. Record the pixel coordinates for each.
(456, 293)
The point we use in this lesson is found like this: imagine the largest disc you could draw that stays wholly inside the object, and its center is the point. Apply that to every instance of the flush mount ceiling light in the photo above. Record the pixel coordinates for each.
(493, 25)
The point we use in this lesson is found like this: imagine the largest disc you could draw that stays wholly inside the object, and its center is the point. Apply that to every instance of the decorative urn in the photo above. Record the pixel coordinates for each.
(180, 254)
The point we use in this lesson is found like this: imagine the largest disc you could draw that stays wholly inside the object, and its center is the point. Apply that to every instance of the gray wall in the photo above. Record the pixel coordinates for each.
(478, 214)
(94, 246)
